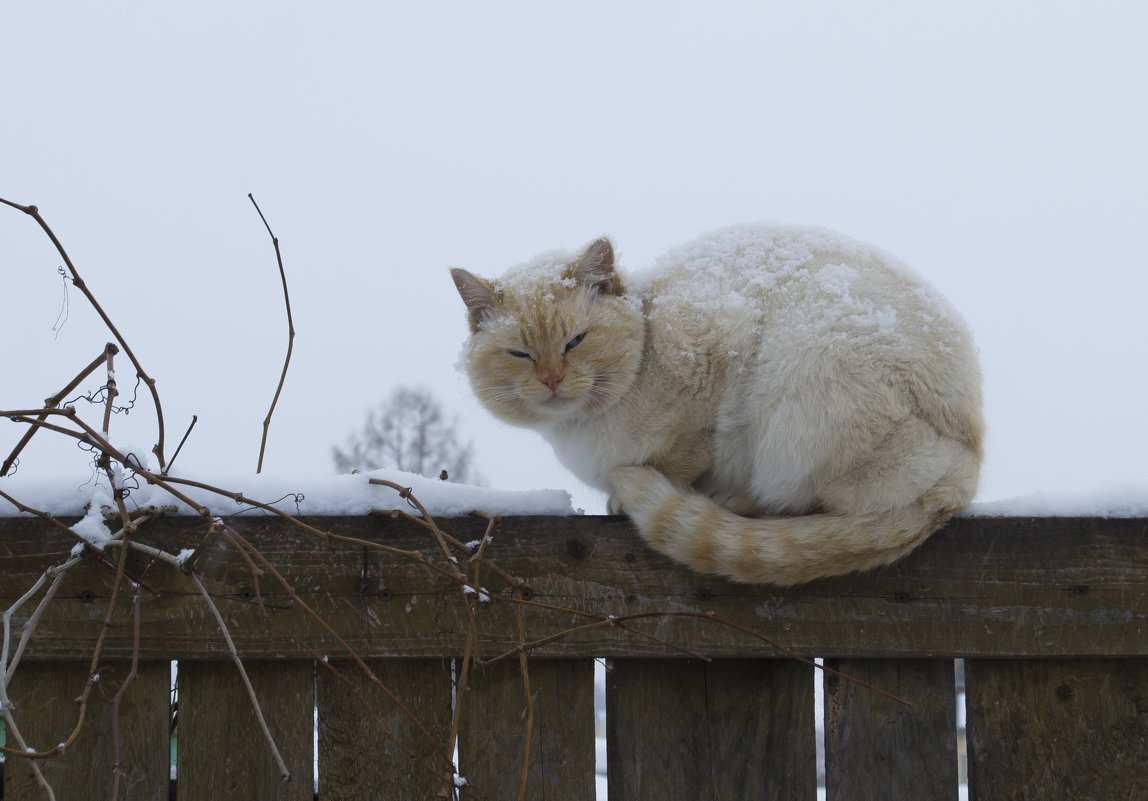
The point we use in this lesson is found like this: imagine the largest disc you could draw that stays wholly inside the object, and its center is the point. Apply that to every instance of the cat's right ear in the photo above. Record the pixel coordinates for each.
(477, 294)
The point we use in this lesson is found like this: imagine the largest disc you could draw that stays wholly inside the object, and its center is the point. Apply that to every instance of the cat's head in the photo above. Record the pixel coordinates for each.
(554, 340)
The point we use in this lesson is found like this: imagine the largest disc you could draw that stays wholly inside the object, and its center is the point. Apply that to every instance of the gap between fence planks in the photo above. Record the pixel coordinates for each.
(1069, 720)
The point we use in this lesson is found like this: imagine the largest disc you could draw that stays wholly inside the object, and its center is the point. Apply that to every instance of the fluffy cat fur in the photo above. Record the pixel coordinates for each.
(771, 404)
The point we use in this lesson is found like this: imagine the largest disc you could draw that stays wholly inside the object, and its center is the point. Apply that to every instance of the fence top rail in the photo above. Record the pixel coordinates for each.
(581, 586)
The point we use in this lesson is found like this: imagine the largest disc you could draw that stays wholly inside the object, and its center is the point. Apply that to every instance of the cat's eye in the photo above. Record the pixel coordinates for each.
(574, 342)
(519, 354)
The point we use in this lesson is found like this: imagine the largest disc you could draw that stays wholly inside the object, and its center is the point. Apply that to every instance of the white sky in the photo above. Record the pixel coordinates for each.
(1001, 149)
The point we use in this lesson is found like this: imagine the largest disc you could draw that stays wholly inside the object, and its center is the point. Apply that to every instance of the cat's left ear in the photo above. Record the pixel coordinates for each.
(478, 295)
(595, 268)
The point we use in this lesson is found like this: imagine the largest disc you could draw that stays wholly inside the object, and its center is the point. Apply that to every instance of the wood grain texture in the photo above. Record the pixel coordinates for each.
(695, 731)
(878, 749)
(1072, 728)
(369, 747)
(221, 751)
(1073, 592)
(492, 737)
(46, 714)
(980, 587)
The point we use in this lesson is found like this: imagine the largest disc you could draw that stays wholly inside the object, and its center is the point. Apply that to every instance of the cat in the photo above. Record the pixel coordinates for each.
(772, 404)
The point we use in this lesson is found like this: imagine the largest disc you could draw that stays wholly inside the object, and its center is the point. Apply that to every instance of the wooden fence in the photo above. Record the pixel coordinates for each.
(1050, 616)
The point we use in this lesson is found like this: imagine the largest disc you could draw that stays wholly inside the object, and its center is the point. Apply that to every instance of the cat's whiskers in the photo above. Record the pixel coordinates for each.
(500, 396)
(607, 392)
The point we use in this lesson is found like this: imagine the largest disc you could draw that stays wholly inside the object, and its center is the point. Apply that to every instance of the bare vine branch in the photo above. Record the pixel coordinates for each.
(290, 334)
(79, 283)
(442, 560)
(179, 447)
(112, 391)
(283, 771)
(117, 763)
(54, 402)
(519, 618)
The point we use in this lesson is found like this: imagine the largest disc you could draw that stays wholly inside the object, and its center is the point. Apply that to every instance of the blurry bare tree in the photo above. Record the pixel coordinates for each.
(408, 432)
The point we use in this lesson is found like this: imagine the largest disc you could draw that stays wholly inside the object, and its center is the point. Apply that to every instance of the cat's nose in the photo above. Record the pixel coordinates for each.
(553, 380)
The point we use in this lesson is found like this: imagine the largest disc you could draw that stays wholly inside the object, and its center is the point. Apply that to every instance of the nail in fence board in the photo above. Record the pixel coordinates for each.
(1058, 728)
(680, 730)
(878, 749)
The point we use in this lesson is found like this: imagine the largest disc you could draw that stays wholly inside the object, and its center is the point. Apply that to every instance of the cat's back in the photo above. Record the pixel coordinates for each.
(774, 307)
(805, 284)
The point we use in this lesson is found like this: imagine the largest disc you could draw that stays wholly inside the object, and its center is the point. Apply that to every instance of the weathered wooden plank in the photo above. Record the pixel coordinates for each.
(1071, 728)
(368, 745)
(981, 587)
(877, 749)
(686, 730)
(492, 737)
(221, 751)
(46, 714)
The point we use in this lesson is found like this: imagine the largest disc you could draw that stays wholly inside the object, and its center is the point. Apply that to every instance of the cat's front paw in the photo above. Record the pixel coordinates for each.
(614, 505)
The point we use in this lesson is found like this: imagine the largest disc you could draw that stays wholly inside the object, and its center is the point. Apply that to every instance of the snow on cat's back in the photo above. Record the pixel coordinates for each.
(808, 280)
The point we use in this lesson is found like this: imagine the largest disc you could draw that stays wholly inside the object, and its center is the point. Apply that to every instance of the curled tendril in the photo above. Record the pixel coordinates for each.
(294, 497)
(65, 306)
(129, 483)
(99, 398)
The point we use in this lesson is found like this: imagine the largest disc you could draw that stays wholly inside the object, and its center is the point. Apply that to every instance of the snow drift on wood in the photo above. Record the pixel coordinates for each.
(323, 495)
(354, 495)
(1130, 500)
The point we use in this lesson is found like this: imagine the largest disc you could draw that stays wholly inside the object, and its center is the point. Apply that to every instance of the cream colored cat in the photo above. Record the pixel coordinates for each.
(773, 404)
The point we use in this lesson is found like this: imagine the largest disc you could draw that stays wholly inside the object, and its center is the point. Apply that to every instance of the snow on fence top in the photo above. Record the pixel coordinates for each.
(1130, 500)
(354, 495)
(351, 494)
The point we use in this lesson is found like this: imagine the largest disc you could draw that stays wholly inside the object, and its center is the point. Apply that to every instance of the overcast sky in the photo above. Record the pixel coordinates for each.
(1001, 149)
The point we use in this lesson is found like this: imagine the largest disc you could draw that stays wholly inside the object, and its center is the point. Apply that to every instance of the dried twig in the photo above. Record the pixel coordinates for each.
(79, 283)
(54, 401)
(358, 660)
(179, 447)
(109, 404)
(462, 687)
(487, 536)
(93, 676)
(428, 521)
(447, 566)
(283, 771)
(46, 517)
(510, 579)
(8, 666)
(529, 736)
(117, 764)
(22, 749)
(290, 334)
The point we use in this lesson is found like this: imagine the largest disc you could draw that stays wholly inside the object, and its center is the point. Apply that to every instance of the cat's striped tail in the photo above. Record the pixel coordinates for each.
(692, 529)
